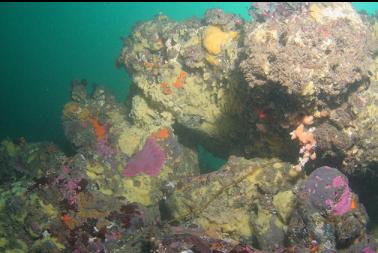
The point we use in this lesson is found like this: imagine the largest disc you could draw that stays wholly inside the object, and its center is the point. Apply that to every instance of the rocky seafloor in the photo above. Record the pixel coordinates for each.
(289, 100)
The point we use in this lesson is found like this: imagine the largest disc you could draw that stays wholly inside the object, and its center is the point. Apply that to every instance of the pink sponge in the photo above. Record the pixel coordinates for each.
(149, 160)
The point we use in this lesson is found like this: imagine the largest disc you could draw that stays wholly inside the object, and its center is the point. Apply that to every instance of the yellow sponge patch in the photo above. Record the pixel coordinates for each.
(215, 39)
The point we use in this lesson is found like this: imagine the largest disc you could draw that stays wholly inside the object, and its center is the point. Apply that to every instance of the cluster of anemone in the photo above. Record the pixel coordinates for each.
(307, 141)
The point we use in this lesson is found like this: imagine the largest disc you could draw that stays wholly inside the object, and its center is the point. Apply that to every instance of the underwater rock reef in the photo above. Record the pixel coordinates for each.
(320, 61)
(239, 88)
(289, 99)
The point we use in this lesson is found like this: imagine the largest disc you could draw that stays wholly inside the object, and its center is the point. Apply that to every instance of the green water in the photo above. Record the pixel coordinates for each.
(46, 45)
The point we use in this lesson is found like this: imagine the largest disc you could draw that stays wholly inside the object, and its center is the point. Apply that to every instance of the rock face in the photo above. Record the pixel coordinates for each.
(297, 60)
(319, 53)
(186, 72)
(242, 200)
(308, 60)
(361, 156)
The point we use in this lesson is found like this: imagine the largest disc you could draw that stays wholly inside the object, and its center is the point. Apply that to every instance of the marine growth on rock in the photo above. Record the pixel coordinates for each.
(149, 160)
(288, 102)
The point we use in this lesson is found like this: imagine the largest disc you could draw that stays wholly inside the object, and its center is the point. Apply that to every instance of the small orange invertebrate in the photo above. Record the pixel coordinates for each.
(68, 221)
(307, 141)
(66, 218)
(178, 84)
(100, 130)
(303, 136)
(353, 203)
(182, 74)
(308, 120)
(180, 80)
(162, 133)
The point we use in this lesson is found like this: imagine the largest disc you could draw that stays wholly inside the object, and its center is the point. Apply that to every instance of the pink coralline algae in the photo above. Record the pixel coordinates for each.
(327, 188)
(68, 185)
(105, 150)
(69, 190)
(149, 160)
(344, 203)
(368, 250)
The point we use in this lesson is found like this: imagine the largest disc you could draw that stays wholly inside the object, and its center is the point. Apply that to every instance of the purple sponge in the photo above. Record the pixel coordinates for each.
(149, 160)
(327, 188)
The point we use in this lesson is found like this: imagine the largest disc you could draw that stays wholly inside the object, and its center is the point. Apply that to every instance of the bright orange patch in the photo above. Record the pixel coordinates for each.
(162, 133)
(182, 74)
(180, 80)
(70, 223)
(66, 218)
(353, 204)
(178, 84)
(100, 130)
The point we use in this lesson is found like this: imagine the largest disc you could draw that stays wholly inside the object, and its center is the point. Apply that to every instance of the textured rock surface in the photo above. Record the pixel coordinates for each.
(236, 201)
